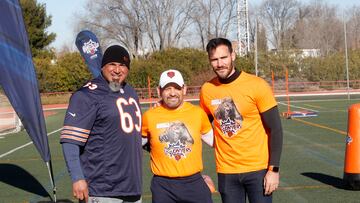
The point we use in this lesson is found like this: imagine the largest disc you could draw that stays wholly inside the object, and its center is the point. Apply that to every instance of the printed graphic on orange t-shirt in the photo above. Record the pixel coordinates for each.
(228, 116)
(177, 139)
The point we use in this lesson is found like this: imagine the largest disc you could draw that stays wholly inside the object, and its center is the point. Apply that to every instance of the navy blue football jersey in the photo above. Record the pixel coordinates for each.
(107, 126)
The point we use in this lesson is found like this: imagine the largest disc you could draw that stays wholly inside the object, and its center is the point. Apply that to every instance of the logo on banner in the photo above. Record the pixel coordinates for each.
(90, 48)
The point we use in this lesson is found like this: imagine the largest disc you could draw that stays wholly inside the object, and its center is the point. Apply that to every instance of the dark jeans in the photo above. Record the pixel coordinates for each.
(190, 189)
(236, 187)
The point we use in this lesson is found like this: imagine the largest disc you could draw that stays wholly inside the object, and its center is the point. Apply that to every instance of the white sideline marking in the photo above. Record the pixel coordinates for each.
(22, 146)
(298, 107)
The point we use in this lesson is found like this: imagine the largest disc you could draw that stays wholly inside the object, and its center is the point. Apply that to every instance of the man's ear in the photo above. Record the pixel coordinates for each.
(184, 90)
(233, 56)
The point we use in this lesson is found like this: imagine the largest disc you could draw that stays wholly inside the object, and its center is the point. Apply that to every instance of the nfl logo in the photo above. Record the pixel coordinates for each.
(90, 47)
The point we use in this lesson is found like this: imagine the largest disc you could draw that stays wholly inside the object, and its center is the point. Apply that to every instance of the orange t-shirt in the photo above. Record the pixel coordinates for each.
(241, 143)
(175, 139)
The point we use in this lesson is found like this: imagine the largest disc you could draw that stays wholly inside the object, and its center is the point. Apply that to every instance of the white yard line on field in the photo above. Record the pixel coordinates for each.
(299, 107)
(22, 146)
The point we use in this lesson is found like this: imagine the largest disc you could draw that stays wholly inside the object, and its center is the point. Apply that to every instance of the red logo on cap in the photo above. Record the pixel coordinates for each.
(170, 74)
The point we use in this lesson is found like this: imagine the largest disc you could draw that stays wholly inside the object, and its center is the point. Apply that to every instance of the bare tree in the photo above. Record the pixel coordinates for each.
(353, 27)
(213, 18)
(166, 21)
(279, 16)
(254, 22)
(319, 27)
(138, 24)
(261, 38)
(116, 20)
(127, 16)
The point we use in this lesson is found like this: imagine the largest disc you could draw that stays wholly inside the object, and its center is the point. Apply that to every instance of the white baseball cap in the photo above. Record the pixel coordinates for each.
(171, 76)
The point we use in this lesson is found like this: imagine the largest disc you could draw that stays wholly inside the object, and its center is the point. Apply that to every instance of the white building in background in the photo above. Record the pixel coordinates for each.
(304, 53)
(300, 53)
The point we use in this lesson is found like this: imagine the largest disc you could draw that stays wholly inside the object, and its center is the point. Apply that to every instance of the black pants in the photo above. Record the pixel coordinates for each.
(189, 189)
(234, 188)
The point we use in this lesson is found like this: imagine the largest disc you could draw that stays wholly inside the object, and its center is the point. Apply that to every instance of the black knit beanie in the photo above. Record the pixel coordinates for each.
(116, 53)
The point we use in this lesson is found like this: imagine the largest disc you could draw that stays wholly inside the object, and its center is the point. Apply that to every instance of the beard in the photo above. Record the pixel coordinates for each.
(225, 72)
(115, 86)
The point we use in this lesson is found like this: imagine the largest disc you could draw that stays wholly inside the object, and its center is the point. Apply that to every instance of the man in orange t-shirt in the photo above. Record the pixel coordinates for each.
(174, 131)
(247, 128)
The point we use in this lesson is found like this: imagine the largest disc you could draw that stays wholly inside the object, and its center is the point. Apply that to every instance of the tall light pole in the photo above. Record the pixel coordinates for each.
(243, 27)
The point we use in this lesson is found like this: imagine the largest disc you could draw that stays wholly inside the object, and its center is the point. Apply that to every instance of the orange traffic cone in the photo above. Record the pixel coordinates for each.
(352, 153)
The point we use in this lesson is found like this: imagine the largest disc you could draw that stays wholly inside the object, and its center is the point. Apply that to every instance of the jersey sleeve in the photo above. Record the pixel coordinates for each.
(264, 96)
(79, 119)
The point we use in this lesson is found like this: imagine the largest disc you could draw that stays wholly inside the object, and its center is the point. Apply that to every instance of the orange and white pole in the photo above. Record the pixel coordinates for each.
(273, 82)
(287, 90)
(352, 154)
(149, 90)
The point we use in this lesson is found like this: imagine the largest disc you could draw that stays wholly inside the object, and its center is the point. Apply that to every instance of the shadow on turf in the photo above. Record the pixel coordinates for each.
(326, 179)
(18, 177)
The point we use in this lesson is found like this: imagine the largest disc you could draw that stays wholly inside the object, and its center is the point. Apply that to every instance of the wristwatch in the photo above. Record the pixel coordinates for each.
(275, 169)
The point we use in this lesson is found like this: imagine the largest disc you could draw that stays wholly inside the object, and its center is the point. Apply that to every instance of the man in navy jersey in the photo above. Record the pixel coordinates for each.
(101, 137)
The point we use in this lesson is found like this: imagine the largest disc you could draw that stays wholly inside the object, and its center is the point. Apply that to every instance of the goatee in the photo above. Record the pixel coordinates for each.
(115, 86)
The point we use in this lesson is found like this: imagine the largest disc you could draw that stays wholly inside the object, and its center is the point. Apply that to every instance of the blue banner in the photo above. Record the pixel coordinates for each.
(89, 48)
(17, 75)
